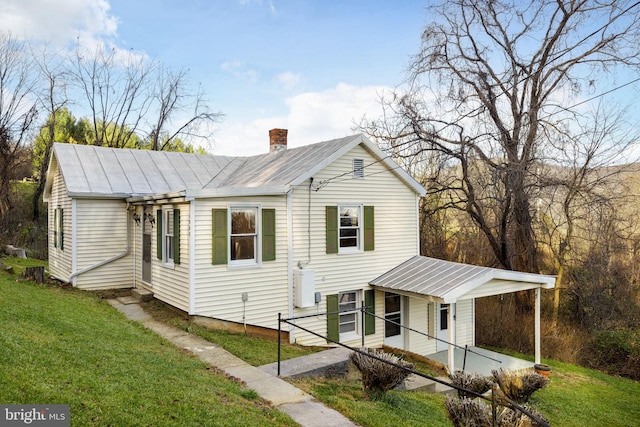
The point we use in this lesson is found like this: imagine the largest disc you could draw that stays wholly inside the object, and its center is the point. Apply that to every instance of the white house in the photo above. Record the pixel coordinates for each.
(320, 228)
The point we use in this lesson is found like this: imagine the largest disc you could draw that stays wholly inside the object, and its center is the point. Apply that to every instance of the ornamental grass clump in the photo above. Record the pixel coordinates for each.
(473, 382)
(379, 377)
(466, 412)
(519, 385)
(512, 418)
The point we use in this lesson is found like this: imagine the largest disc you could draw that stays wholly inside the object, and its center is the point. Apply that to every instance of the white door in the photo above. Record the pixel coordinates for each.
(393, 332)
(442, 325)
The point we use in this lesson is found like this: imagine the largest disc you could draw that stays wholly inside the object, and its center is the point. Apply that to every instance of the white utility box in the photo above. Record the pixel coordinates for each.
(304, 288)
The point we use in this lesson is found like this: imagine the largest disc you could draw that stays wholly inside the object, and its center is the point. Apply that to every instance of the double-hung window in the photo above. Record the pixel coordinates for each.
(348, 301)
(168, 237)
(58, 228)
(350, 228)
(243, 238)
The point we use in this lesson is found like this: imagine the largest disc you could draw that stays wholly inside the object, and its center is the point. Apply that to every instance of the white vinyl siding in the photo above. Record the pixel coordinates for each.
(218, 288)
(396, 234)
(101, 233)
(171, 281)
(59, 261)
(465, 324)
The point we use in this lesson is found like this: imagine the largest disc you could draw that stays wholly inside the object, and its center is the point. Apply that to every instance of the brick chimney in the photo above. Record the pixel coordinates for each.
(277, 140)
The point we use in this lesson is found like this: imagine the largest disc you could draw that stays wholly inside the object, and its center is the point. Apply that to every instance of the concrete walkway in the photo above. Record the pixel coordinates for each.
(296, 403)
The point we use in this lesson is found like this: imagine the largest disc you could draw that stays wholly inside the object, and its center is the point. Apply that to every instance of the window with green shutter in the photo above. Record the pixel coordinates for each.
(349, 229)
(168, 235)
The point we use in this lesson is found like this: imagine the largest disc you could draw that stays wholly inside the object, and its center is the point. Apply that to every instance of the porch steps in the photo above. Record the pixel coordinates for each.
(417, 383)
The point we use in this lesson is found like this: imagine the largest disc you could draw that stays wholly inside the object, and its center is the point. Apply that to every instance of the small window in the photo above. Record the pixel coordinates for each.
(169, 236)
(243, 238)
(58, 228)
(358, 168)
(349, 228)
(348, 301)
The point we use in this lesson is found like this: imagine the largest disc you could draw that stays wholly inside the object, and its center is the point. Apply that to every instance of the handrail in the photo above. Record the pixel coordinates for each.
(503, 399)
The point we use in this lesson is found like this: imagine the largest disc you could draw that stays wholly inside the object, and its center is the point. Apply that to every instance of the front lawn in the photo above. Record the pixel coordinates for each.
(69, 347)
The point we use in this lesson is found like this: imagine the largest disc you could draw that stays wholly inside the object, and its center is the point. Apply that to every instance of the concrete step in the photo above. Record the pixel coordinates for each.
(418, 383)
(329, 362)
(141, 294)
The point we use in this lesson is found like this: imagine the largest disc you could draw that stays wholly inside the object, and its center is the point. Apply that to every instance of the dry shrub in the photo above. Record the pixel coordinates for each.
(465, 412)
(377, 376)
(474, 382)
(512, 418)
(519, 385)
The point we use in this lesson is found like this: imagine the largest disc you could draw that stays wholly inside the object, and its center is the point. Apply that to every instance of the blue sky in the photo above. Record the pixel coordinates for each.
(314, 67)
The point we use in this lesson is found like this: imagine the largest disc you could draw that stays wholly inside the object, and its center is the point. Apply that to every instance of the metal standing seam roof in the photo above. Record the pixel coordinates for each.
(91, 171)
(448, 281)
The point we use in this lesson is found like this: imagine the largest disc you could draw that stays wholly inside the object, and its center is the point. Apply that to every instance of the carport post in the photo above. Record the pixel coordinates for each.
(537, 325)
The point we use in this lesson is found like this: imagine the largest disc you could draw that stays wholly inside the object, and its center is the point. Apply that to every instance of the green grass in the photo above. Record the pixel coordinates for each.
(256, 351)
(578, 397)
(396, 408)
(69, 347)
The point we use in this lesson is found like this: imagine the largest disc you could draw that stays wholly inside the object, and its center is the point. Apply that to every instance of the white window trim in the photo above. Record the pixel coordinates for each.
(351, 335)
(167, 256)
(257, 261)
(58, 228)
(359, 247)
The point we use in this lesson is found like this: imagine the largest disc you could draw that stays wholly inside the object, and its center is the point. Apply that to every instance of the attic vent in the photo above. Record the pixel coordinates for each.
(358, 168)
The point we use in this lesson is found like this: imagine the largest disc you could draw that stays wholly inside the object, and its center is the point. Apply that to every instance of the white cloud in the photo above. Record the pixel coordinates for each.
(311, 117)
(59, 22)
(240, 70)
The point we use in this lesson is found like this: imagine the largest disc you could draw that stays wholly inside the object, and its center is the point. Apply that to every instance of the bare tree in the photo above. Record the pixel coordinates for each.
(137, 103)
(17, 111)
(52, 99)
(487, 91)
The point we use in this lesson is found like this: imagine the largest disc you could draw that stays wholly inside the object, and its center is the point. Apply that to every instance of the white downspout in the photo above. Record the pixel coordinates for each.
(537, 326)
(290, 260)
(192, 257)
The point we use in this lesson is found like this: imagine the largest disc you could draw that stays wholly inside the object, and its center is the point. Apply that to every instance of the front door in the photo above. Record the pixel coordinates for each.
(146, 244)
(393, 332)
(442, 327)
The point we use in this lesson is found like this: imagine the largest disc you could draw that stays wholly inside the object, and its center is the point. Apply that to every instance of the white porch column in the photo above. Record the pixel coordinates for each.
(451, 337)
(537, 326)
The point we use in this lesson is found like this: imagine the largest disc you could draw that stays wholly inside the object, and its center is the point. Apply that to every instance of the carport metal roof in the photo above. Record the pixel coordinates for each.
(448, 282)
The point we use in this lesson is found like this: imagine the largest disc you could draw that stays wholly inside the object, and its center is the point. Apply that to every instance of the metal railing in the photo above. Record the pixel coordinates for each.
(495, 400)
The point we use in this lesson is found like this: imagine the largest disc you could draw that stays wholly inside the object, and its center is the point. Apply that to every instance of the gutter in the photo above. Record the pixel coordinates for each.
(108, 260)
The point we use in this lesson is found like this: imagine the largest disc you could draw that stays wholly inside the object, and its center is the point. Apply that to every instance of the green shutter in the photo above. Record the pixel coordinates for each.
(219, 237)
(369, 235)
(61, 229)
(332, 229)
(333, 318)
(369, 319)
(176, 236)
(159, 233)
(268, 234)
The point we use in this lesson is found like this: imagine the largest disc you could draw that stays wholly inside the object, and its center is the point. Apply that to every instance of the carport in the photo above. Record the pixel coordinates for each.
(448, 283)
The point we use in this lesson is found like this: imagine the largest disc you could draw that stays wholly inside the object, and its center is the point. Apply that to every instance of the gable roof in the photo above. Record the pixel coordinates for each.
(101, 172)
(448, 282)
